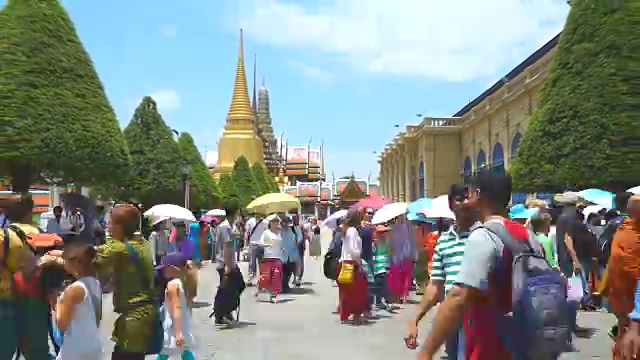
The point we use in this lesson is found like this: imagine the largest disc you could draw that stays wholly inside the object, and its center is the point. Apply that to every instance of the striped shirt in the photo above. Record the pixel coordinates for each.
(447, 257)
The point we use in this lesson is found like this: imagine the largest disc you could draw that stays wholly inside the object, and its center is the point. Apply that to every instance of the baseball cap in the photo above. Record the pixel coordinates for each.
(174, 259)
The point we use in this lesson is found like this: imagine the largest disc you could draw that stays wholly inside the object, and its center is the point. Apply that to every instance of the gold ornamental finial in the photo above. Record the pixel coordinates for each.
(240, 112)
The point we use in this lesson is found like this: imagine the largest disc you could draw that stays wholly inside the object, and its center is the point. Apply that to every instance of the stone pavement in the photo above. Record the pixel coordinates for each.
(303, 327)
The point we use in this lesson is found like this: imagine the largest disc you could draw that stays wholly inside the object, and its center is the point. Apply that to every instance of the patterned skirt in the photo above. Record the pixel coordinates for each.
(271, 276)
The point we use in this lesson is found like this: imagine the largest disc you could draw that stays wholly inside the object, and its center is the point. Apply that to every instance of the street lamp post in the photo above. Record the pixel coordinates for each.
(185, 182)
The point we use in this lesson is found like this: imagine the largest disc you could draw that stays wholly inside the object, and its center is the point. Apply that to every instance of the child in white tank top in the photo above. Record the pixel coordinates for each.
(178, 338)
(79, 308)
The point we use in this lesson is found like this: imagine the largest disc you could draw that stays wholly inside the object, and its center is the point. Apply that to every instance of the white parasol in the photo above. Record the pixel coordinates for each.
(439, 209)
(173, 213)
(635, 190)
(332, 220)
(216, 212)
(389, 212)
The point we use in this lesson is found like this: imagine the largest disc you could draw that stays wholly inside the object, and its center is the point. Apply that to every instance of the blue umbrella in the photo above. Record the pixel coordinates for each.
(419, 218)
(598, 196)
(416, 206)
(526, 214)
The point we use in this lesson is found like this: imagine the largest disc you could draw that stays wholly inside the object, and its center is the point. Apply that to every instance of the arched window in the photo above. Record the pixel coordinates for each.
(497, 159)
(467, 170)
(481, 160)
(515, 144)
(421, 180)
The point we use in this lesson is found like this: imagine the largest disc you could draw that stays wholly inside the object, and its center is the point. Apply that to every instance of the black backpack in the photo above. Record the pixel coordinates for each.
(606, 237)
(331, 260)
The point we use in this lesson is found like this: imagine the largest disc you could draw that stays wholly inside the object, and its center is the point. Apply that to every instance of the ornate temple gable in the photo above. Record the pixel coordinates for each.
(352, 191)
(326, 193)
(308, 191)
(298, 160)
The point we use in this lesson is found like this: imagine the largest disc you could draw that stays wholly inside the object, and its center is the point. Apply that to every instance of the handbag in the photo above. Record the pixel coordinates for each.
(346, 274)
(155, 343)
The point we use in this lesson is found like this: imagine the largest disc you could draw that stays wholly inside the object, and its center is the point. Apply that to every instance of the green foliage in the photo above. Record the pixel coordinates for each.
(244, 180)
(156, 175)
(262, 181)
(583, 135)
(55, 119)
(228, 189)
(202, 187)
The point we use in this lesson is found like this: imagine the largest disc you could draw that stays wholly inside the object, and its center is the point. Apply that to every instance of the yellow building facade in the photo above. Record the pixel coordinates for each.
(427, 158)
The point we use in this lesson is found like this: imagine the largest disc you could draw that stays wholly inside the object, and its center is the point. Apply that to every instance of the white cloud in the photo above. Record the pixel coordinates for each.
(167, 99)
(313, 72)
(168, 31)
(454, 40)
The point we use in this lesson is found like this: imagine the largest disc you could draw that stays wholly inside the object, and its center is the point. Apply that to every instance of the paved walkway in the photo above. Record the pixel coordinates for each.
(303, 327)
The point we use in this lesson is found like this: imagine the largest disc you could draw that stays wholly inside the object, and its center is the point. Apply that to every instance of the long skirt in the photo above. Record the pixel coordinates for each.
(353, 298)
(315, 248)
(399, 279)
(271, 276)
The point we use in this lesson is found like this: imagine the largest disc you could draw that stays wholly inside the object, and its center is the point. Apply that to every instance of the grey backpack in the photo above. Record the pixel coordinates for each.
(539, 323)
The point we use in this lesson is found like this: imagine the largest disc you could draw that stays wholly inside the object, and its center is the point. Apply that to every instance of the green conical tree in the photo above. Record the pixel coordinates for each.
(156, 175)
(244, 180)
(55, 119)
(262, 183)
(228, 189)
(585, 130)
(203, 189)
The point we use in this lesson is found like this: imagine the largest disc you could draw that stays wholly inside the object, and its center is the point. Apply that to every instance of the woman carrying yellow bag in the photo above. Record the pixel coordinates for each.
(352, 281)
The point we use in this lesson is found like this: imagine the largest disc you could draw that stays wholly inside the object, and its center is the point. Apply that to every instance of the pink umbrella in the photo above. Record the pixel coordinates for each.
(370, 201)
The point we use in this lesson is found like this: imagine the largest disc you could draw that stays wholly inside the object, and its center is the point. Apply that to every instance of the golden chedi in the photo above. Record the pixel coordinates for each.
(239, 137)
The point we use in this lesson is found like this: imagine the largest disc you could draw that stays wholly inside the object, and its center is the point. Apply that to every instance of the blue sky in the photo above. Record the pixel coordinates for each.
(345, 71)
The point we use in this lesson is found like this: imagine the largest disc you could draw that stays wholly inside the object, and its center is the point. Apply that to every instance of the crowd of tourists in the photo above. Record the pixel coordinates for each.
(51, 287)
(503, 285)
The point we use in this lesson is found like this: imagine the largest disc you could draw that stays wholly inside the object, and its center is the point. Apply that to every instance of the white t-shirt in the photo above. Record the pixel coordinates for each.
(259, 230)
(351, 245)
(272, 243)
(82, 339)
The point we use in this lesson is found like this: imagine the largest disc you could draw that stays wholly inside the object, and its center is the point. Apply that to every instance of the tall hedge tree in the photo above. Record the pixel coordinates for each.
(55, 119)
(203, 189)
(585, 131)
(244, 180)
(156, 175)
(228, 189)
(263, 186)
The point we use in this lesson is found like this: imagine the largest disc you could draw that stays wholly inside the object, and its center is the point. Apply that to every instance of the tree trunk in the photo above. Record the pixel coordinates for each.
(21, 178)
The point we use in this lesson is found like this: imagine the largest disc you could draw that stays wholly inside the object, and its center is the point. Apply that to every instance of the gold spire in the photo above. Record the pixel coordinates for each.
(240, 112)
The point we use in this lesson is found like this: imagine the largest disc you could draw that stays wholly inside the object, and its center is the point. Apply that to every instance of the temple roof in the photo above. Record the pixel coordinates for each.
(240, 112)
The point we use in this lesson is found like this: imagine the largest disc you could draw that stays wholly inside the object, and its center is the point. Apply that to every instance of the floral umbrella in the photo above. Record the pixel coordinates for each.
(370, 201)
